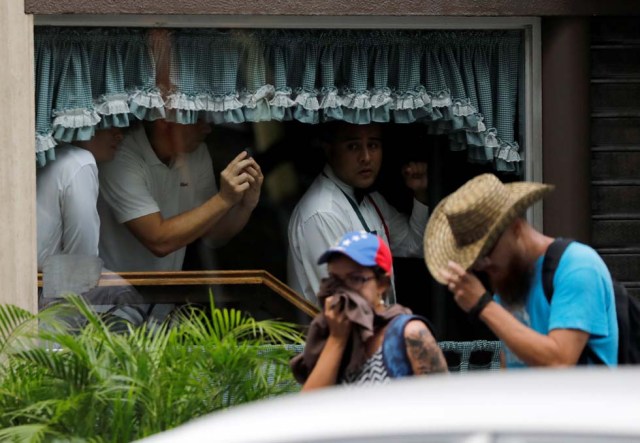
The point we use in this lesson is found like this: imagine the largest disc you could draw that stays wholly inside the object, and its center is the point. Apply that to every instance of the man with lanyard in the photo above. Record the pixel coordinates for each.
(341, 199)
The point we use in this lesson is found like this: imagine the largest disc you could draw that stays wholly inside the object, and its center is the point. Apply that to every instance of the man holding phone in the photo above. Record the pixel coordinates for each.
(159, 194)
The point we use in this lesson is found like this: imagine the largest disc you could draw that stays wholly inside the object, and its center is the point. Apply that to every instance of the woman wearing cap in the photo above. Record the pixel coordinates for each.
(357, 339)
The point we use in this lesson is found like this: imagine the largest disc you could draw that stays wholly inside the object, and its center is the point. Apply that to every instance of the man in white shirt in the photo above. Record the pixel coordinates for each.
(69, 229)
(66, 196)
(338, 201)
(159, 194)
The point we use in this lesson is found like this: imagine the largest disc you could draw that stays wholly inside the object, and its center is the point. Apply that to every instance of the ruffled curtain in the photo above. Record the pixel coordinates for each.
(87, 79)
(461, 83)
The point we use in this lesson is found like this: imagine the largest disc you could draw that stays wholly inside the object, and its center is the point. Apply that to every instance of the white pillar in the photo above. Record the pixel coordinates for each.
(18, 266)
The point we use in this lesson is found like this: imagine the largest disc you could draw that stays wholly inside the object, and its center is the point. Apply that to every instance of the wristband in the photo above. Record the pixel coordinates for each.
(474, 312)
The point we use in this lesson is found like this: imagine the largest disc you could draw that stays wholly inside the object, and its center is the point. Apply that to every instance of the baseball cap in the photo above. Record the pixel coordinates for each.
(364, 248)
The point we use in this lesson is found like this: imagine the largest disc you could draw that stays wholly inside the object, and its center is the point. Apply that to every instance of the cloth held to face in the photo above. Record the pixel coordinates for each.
(365, 323)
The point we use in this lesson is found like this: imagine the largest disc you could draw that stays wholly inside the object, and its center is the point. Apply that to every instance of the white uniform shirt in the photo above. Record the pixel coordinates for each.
(66, 195)
(136, 183)
(324, 214)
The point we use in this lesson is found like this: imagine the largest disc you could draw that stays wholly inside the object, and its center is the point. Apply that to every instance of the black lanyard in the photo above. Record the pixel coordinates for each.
(354, 205)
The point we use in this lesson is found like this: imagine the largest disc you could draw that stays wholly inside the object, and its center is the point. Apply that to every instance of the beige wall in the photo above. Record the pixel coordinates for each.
(17, 171)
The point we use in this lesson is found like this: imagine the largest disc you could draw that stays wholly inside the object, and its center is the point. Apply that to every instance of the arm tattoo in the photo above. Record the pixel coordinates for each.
(424, 353)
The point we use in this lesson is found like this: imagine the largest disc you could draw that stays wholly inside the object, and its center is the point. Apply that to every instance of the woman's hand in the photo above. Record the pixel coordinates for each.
(338, 322)
(325, 372)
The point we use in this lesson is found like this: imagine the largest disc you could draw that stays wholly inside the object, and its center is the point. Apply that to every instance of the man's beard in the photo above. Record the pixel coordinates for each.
(514, 288)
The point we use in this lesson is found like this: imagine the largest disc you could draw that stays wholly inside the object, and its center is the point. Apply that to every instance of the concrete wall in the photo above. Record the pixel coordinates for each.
(17, 163)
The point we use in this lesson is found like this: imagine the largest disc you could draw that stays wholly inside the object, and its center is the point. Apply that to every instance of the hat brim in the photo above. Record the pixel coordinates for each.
(440, 245)
(324, 258)
(329, 254)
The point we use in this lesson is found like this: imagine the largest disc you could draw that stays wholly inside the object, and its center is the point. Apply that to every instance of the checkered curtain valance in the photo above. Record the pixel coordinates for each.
(461, 83)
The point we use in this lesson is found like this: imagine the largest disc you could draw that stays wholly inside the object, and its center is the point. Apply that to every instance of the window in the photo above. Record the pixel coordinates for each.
(272, 89)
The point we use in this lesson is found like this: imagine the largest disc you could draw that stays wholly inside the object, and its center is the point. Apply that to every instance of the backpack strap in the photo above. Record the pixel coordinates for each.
(394, 350)
(549, 265)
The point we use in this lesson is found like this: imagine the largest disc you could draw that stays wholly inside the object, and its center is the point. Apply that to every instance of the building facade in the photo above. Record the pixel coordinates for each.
(588, 136)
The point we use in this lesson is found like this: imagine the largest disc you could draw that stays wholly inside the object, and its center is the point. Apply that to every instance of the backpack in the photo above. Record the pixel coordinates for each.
(627, 309)
(394, 350)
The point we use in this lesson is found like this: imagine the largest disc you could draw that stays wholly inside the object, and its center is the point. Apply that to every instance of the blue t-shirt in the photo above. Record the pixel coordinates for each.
(582, 299)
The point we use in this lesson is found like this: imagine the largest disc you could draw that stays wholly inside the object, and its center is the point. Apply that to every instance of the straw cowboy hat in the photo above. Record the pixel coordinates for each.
(466, 224)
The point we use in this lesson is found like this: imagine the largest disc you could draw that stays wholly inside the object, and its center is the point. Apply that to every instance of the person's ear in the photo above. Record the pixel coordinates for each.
(517, 227)
(519, 231)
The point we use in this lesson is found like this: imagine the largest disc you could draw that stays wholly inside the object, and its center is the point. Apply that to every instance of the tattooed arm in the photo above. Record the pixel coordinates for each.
(423, 351)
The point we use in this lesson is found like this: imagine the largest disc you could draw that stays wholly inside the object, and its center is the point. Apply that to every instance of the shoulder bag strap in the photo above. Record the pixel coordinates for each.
(550, 264)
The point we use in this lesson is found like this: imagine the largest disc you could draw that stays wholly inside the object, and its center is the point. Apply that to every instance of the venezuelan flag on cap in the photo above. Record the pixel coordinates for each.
(364, 248)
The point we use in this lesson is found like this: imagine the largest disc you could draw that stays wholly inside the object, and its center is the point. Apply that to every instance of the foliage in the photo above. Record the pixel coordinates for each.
(63, 382)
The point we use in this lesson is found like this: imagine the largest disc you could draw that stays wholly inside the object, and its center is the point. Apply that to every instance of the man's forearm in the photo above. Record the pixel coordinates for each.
(531, 347)
(163, 237)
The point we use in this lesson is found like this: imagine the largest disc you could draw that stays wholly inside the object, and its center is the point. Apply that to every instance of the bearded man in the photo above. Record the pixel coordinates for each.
(480, 228)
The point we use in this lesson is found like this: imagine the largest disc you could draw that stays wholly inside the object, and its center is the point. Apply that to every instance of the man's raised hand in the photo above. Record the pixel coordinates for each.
(252, 194)
(416, 178)
(235, 179)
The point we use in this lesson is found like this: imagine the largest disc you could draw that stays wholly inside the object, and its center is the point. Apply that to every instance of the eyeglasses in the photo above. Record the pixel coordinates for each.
(354, 281)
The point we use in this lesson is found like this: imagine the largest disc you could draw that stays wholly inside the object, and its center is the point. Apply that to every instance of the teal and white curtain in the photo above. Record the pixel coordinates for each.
(461, 83)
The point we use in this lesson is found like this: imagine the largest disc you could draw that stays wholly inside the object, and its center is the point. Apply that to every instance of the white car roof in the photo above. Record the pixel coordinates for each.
(595, 401)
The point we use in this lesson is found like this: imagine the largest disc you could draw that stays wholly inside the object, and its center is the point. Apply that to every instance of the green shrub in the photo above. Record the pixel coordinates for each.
(62, 382)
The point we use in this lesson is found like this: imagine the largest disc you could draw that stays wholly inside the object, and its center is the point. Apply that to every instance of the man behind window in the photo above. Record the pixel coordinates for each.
(69, 227)
(159, 194)
(341, 199)
(67, 192)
